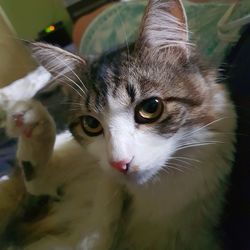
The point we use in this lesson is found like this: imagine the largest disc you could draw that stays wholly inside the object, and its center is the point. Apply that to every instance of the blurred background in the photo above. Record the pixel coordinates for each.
(41, 20)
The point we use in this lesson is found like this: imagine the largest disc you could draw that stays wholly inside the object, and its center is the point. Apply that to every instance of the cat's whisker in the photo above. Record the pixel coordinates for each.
(199, 142)
(71, 80)
(75, 109)
(164, 169)
(196, 145)
(59, 77)
(72, 87)
(185, 158)
(183, 165)
(181, 161)
(186, 135)
(62, 61)
(173, 168)
(179, 167)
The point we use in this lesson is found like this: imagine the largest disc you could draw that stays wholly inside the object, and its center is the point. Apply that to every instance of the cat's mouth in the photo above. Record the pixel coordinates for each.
(136, 175)
(140, 177)
(131, 171)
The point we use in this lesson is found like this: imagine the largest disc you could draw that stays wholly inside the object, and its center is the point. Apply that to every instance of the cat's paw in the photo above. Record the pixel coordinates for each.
(28, 119)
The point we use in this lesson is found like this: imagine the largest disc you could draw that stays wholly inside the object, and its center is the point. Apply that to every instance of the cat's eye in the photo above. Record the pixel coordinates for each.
(91, 126)
(149, 110)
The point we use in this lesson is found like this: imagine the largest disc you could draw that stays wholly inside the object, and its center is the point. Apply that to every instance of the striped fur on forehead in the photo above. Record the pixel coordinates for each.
(133, 80)
(109, 76)
(152, 77)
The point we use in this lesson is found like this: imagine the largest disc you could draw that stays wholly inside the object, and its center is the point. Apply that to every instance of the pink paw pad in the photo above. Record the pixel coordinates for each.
(18, 118)
(19, 121)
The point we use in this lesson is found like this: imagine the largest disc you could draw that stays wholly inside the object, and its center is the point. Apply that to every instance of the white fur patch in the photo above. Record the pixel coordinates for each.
(25, 88)
(4, 178)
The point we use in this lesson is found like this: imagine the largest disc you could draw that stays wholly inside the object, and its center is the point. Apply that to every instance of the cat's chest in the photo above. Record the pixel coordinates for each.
(149, 225)
(146, 221)
(139, 228)
(158, 216)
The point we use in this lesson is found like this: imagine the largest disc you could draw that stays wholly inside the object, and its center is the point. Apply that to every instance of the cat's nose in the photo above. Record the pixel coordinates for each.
(121, 166)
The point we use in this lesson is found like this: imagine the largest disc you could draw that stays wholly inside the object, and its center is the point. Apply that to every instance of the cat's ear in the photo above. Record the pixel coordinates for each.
(164, 28)
(65, 67)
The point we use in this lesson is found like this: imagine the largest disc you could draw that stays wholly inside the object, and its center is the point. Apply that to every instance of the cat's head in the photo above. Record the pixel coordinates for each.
(136, 109)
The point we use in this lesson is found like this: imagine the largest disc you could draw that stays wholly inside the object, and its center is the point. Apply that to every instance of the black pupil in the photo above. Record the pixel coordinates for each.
(151, 106)
(91, 122)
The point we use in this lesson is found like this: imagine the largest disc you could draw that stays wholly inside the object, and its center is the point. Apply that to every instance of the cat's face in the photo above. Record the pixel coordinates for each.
(136, 112)
(134, 116)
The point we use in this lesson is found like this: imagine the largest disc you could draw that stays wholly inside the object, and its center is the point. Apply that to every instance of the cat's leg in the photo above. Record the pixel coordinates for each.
(35, 129)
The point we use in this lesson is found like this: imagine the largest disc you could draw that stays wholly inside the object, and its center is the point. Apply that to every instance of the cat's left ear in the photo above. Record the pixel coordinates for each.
(164, 28)
(65, 67)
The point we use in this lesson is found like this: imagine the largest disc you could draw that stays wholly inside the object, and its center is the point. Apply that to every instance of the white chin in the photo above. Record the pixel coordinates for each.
(140, 177)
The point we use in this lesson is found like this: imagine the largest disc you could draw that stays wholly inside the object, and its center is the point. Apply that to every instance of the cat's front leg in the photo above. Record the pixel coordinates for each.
(35, 129)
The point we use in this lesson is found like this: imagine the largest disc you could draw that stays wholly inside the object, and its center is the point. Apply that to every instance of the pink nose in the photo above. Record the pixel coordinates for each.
(121, 166)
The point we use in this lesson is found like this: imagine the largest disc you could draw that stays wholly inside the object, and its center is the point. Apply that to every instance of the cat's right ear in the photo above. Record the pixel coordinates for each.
(65, 67)
(164, 28)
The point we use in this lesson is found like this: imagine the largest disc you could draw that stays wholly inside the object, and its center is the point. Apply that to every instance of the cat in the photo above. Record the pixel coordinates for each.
(147, 159)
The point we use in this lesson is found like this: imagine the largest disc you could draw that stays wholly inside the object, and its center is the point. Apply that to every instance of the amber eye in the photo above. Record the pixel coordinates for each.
(149, 110)
(91, 126)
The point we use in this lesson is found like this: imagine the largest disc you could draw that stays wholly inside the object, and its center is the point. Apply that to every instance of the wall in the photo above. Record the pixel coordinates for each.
(28, 17)
(15, 61)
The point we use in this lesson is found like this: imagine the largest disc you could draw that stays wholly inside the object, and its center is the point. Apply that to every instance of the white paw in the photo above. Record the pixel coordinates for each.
(28, 119)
